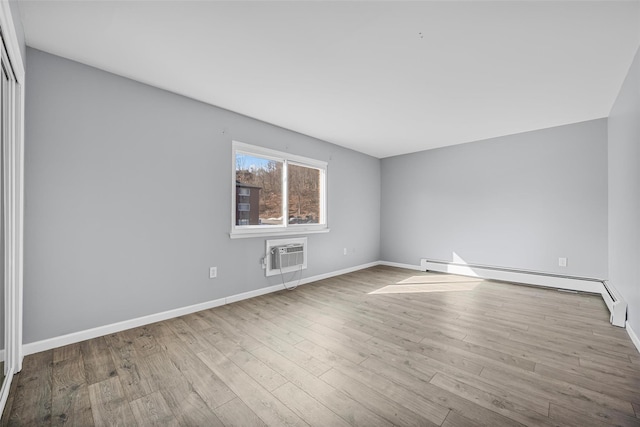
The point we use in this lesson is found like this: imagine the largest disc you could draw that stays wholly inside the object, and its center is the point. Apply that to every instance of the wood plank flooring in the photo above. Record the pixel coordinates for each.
(378, 347)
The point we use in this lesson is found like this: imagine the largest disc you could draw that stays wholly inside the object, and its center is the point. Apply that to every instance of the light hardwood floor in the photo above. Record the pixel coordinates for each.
(382, 346)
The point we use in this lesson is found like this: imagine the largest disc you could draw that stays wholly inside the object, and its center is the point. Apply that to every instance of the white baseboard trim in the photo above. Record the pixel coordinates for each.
(616, 305)
(304, 281)
(339, 272)
(60, 341)
(634, 338)
(74, 337)
(401, 265)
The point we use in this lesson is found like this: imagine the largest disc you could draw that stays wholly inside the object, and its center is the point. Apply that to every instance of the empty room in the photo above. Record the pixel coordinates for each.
(320, 213)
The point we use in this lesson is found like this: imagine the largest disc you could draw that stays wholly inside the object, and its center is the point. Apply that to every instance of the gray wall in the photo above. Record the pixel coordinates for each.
(624, 193)
(520, 201)
(128, 200)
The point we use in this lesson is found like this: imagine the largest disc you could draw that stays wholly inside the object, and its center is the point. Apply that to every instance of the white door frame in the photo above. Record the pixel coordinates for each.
(13, 174)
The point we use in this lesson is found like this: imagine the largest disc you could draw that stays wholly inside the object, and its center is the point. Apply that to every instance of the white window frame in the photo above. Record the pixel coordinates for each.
(244, 231)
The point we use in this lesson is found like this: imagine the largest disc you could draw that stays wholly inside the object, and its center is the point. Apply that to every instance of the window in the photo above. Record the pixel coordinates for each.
(276, 193)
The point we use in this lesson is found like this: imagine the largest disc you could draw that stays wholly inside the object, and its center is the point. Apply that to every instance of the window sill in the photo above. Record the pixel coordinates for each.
(247, 234)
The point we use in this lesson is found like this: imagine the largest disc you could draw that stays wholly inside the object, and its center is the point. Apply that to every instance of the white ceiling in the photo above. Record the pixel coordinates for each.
(383, 78)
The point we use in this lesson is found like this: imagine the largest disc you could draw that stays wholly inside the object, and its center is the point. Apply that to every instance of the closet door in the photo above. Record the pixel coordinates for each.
(11, 201)
(4, 86)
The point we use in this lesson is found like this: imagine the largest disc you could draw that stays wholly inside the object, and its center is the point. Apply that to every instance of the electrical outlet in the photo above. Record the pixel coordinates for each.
(562, 262)
(344, 251)
(213, 272)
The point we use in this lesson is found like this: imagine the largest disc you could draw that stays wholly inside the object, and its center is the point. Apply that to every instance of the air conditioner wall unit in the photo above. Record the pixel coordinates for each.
(285, 255)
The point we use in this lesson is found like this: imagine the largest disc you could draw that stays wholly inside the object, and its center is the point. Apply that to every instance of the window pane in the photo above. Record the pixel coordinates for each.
(304, 195)
(258, 191)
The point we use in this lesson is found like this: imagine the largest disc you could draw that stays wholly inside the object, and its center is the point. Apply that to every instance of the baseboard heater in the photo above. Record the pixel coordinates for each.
(614, 301)
(616, 305)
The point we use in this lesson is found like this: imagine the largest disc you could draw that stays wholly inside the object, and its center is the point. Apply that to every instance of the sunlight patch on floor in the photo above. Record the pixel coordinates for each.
(438, 278)
(426, 287)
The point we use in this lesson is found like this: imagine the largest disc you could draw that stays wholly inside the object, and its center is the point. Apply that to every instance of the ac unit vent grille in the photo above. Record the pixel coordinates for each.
(287, 256)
